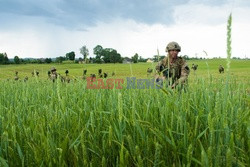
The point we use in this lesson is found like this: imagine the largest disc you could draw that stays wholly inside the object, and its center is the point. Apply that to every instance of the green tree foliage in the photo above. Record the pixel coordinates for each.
(60, 59)
(1, 58)
(16, 60)
(98, 52)
(40, 61)
(48, 60)
(156, 57)
(111, 56)
(4, 58)
(186, 57)
(80, 59)
(135, 58)
(85, 52)
(70, 56)
(141, 59)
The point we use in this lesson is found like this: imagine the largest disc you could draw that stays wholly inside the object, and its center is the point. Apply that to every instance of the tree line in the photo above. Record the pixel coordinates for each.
(102, 55)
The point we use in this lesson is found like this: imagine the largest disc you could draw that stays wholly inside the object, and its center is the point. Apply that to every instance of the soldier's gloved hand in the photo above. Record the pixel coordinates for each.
(159, 78)
(173, 86)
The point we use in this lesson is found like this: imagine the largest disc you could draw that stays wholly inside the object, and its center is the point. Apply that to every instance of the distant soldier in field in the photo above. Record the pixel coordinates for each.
(149, 71)
(53, 74)
(84, 74)
(32, 73)
(105, 75)
(49, 74)
(221, 69)
(26, 79)
(100, 73)
(62, 78)
(174, 69)
(92, 76)
(67, 72)
(16, 76)
(67, 79)
(37, 73)
(194, 67)
(113, 73)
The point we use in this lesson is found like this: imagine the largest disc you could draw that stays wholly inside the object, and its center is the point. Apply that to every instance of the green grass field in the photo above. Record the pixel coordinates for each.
(58, 124)
(239, 69)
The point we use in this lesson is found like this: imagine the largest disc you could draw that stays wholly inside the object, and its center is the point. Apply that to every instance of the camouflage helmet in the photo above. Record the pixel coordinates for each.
(173, 46)
(53, 69)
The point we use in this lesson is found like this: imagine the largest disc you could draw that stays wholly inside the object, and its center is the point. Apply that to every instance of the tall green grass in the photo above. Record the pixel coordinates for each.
(46, 124)
(229, 40)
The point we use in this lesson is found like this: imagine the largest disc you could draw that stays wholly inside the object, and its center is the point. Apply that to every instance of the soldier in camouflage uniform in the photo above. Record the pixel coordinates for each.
(221, 69)
(67, 72)
(194, 67)
(53, 74)
(174, 69)
(25, 79)
(16, 76)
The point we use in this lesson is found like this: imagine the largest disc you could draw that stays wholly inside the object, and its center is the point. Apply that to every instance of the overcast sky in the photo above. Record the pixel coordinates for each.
(51, 28)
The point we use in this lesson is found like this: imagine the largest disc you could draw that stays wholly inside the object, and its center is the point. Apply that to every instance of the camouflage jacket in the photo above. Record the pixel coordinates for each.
(53, 75)
(176, 72)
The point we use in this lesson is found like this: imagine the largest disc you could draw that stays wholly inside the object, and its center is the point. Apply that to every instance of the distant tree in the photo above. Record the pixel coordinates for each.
(93, 60)
(98, 52)
(26, 61)
(114, 56)
(4, 58)
(141, 59)
(186, 57)
(135, 58)
(85, 52)
(60, 59)
(16, 60)
(48, 60)
(106, 55)
(33, 61)
(80, 59)
(70, 56)
(110, 55)
(39, 61)
(156, 58)
(1, 58)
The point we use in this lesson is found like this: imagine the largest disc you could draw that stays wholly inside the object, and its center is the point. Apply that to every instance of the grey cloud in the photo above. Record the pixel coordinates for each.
(88, 12)
(79, 14)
